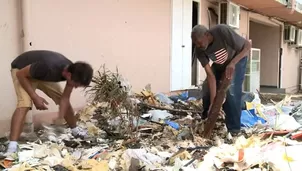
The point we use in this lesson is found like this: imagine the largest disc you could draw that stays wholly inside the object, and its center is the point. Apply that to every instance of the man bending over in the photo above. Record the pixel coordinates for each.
(228, 51)
(44, 70)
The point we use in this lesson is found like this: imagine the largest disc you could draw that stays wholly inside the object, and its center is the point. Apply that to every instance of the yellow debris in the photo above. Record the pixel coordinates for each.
(287, 158)
(185, 155)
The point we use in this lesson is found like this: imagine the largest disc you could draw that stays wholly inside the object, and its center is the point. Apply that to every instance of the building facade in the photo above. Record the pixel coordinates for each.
(149, 41)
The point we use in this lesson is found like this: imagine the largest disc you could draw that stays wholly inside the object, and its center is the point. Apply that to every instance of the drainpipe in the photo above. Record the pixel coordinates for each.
(25, 16)
(26, 9)
(209, 18)
(300, 73)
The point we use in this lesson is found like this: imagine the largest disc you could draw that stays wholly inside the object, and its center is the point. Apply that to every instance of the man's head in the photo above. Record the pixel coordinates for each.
(201, 36)
(78, 74)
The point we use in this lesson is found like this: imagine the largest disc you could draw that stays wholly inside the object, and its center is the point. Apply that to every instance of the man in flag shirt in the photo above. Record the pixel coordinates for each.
(228, 52)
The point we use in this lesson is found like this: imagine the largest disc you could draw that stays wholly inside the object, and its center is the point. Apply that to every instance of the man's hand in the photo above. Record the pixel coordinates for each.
(65, 103)
(40, 103)
(230, 70)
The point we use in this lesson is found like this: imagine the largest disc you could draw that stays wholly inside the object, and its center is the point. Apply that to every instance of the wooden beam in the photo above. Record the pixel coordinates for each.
(216, 107)
(172, 111)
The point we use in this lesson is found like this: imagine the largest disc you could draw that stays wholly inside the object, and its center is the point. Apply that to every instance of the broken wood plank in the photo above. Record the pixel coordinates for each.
(263, 100)
(183, 112)
(216, 107)
(273, 133)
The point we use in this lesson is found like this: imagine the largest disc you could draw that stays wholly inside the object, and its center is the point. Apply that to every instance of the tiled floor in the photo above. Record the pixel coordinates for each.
(272, 90)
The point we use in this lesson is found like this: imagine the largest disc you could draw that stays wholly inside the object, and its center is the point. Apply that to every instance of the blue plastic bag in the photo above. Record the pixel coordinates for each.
(183, 97)
(172, 124)
(249, 118)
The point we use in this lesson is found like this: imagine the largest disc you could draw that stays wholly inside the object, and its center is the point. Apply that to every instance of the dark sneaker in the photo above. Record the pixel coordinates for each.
(235, 133)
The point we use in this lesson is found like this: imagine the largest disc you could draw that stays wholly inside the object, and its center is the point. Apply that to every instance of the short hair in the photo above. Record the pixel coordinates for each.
(81, 72)
(198, 31)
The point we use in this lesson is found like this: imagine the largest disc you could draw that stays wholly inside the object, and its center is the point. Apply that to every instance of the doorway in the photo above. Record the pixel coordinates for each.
(195, 19)
(212, 21)
(266, 37)
(185, 15)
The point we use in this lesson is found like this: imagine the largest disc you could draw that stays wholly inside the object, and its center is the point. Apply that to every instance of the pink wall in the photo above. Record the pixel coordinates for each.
(133, 35)
(10, 47)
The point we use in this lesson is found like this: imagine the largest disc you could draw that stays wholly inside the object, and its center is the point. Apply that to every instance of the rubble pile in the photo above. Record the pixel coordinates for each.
(149, 131)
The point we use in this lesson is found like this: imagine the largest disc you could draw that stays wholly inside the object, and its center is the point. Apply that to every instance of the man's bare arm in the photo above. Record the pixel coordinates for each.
(65, 100)
(211, 82)
(247, 46)
(23, 76)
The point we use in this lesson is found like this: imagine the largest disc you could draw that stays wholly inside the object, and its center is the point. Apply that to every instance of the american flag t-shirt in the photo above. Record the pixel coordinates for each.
(221, 56)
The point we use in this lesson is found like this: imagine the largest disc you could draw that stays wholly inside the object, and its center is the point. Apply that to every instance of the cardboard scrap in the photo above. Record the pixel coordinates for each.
(6, 163)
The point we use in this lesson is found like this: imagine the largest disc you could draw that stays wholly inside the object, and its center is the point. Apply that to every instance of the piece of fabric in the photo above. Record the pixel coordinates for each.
(45, 65)
(232, 105)
(225, 46)
(51, 89)
(249, 118)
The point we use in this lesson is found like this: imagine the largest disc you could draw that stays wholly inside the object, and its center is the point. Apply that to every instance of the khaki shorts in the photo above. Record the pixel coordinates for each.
(51, 89)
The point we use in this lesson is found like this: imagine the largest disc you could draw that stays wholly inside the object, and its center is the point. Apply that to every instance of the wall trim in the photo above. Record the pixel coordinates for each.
(268, 86)
(258, 18)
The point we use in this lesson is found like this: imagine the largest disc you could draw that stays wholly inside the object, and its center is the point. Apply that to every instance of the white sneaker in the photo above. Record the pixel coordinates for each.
(12, 154)
(79, 132)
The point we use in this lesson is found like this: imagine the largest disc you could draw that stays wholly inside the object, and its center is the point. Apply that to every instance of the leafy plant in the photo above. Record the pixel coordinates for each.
(107, 87)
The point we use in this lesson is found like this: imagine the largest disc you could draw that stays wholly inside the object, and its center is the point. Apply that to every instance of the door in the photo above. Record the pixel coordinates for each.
(252, 76)
(181, 56)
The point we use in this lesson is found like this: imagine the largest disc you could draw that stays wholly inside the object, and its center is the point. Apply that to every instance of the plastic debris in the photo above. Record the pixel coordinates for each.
(165, 134)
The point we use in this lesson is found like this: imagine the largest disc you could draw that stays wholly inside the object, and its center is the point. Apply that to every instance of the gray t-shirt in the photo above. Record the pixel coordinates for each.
(45, 65)
(225, 46)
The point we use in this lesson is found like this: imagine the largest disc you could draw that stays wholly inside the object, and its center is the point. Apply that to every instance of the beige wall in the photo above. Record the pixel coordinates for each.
(290, 58)
(290, 66)
(10, 46)
(291, 63)
(244, 23)
(267, 38)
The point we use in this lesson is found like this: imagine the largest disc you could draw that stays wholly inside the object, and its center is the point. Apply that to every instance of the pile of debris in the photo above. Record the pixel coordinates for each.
(147, 131)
